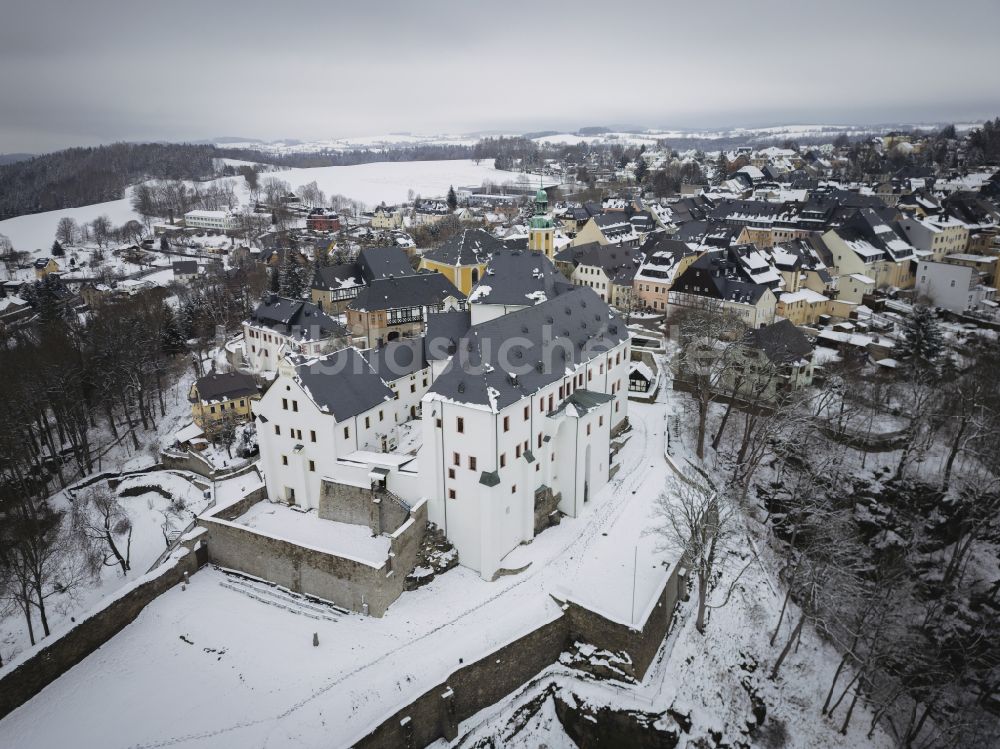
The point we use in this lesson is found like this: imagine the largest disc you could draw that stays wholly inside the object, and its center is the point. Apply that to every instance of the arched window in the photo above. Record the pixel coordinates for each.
(475, 275)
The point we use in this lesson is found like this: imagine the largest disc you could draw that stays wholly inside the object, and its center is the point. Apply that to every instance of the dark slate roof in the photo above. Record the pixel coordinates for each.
(383, 262)
(519, 277)
(620, 264)
(781, 342)
(295, 319)
(715, 276)
(225, 386)
(552, 336)
(397, 358)
(571, 253)
(443, 332)
(471, 247)
(337, 276)
(186, 267)
(343, 384)
(417, 290)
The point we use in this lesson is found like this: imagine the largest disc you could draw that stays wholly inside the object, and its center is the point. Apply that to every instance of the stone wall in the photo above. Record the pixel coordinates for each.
(375, 508)
(438, 711)
(31, 672)
(640, 644)
(345, 582)
(546, 504)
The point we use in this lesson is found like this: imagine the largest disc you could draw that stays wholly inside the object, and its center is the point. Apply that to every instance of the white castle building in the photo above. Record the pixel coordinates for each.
(519, 398)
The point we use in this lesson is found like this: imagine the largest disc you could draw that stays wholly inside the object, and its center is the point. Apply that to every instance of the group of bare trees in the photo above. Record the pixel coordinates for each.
(880, 494)
(163, 198)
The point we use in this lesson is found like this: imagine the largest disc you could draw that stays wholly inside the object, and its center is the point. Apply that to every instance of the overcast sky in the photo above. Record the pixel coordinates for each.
(94, 71)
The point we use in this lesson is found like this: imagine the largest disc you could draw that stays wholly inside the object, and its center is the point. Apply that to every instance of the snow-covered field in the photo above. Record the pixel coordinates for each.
(370, 184)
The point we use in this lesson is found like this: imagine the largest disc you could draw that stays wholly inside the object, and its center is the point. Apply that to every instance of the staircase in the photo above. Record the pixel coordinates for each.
(282, 598)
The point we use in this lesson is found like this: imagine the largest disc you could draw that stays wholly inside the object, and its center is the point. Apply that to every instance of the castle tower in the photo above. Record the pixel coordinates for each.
(541, 233)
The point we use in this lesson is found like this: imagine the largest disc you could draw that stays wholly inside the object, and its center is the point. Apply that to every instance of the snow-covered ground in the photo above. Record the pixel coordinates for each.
(271, 685)
(278, 520)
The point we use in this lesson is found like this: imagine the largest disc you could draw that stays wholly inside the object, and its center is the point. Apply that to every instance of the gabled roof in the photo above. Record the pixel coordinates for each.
(418, 290)
(222, 386)
(185, 267)
(519, 277)
(781, 342)
(343, 384)
(716, 276)
(471, 247)
(383, 262)
(552, 337)
(397, 358)
(339, 276)
(443, 332)
(295, 319)
(618, 263)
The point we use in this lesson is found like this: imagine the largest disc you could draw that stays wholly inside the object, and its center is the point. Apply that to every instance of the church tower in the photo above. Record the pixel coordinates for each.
(541, 233)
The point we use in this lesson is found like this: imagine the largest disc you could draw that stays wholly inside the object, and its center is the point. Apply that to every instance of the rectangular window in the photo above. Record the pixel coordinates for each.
(526, 413)
(368, 422)
(460, 425)
(456, 459)
(437, 423)
(312, 465)
(451, 494)
(242, 404)
(212, 409)
(513, 489)
(451, 473)
(539, 439)
(295, 406)
(312, 435)
(381, 416)
(503, 460)
(506, 423)
(347, 432)
(600, 421)
(472, 462)
(284, 460)
(284, 404)
(413, 388)
(517, 451)
(550, 402)
(277, 430)
(588, 430)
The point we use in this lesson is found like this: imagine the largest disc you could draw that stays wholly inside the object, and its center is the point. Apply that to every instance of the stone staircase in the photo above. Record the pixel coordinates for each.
(282, 598)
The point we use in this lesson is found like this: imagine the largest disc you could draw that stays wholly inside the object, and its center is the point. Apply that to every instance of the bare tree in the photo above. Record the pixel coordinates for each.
(66, 231)
(104, 528)
(697, 521)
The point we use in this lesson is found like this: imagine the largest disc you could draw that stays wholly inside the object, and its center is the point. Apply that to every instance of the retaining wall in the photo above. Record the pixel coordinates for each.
(35, 669)
(343, 581)
(437, 712)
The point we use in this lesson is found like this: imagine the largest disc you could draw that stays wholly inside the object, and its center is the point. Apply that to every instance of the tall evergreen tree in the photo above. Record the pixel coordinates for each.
(290, 277)
(57, 249)
(452, 199)
(921, 341)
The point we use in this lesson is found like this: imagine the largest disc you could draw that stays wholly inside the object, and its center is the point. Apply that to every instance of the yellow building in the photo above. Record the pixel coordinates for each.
(222, 397)
(463, 258)
(44, 266)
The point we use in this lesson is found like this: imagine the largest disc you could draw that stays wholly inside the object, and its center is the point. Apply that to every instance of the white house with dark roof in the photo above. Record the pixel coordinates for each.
(319, 410)
(281, 326)
(519, 423)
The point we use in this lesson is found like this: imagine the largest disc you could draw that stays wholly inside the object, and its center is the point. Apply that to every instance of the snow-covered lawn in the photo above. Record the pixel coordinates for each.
(278, 520)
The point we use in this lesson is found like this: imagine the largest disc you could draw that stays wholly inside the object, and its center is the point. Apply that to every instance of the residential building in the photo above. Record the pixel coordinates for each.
(281, 326)
(334, 286)
(462, 258)
(953, 286)
(717, 281)
(940, 235)
(221, 398)
(322, 219)
(217, 220)
(391, 308)
(608, 269)
(185, 270)
(44, 266)
(608, 228)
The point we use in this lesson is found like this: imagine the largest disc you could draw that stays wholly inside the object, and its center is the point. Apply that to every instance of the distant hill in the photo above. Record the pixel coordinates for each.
(11, 158)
